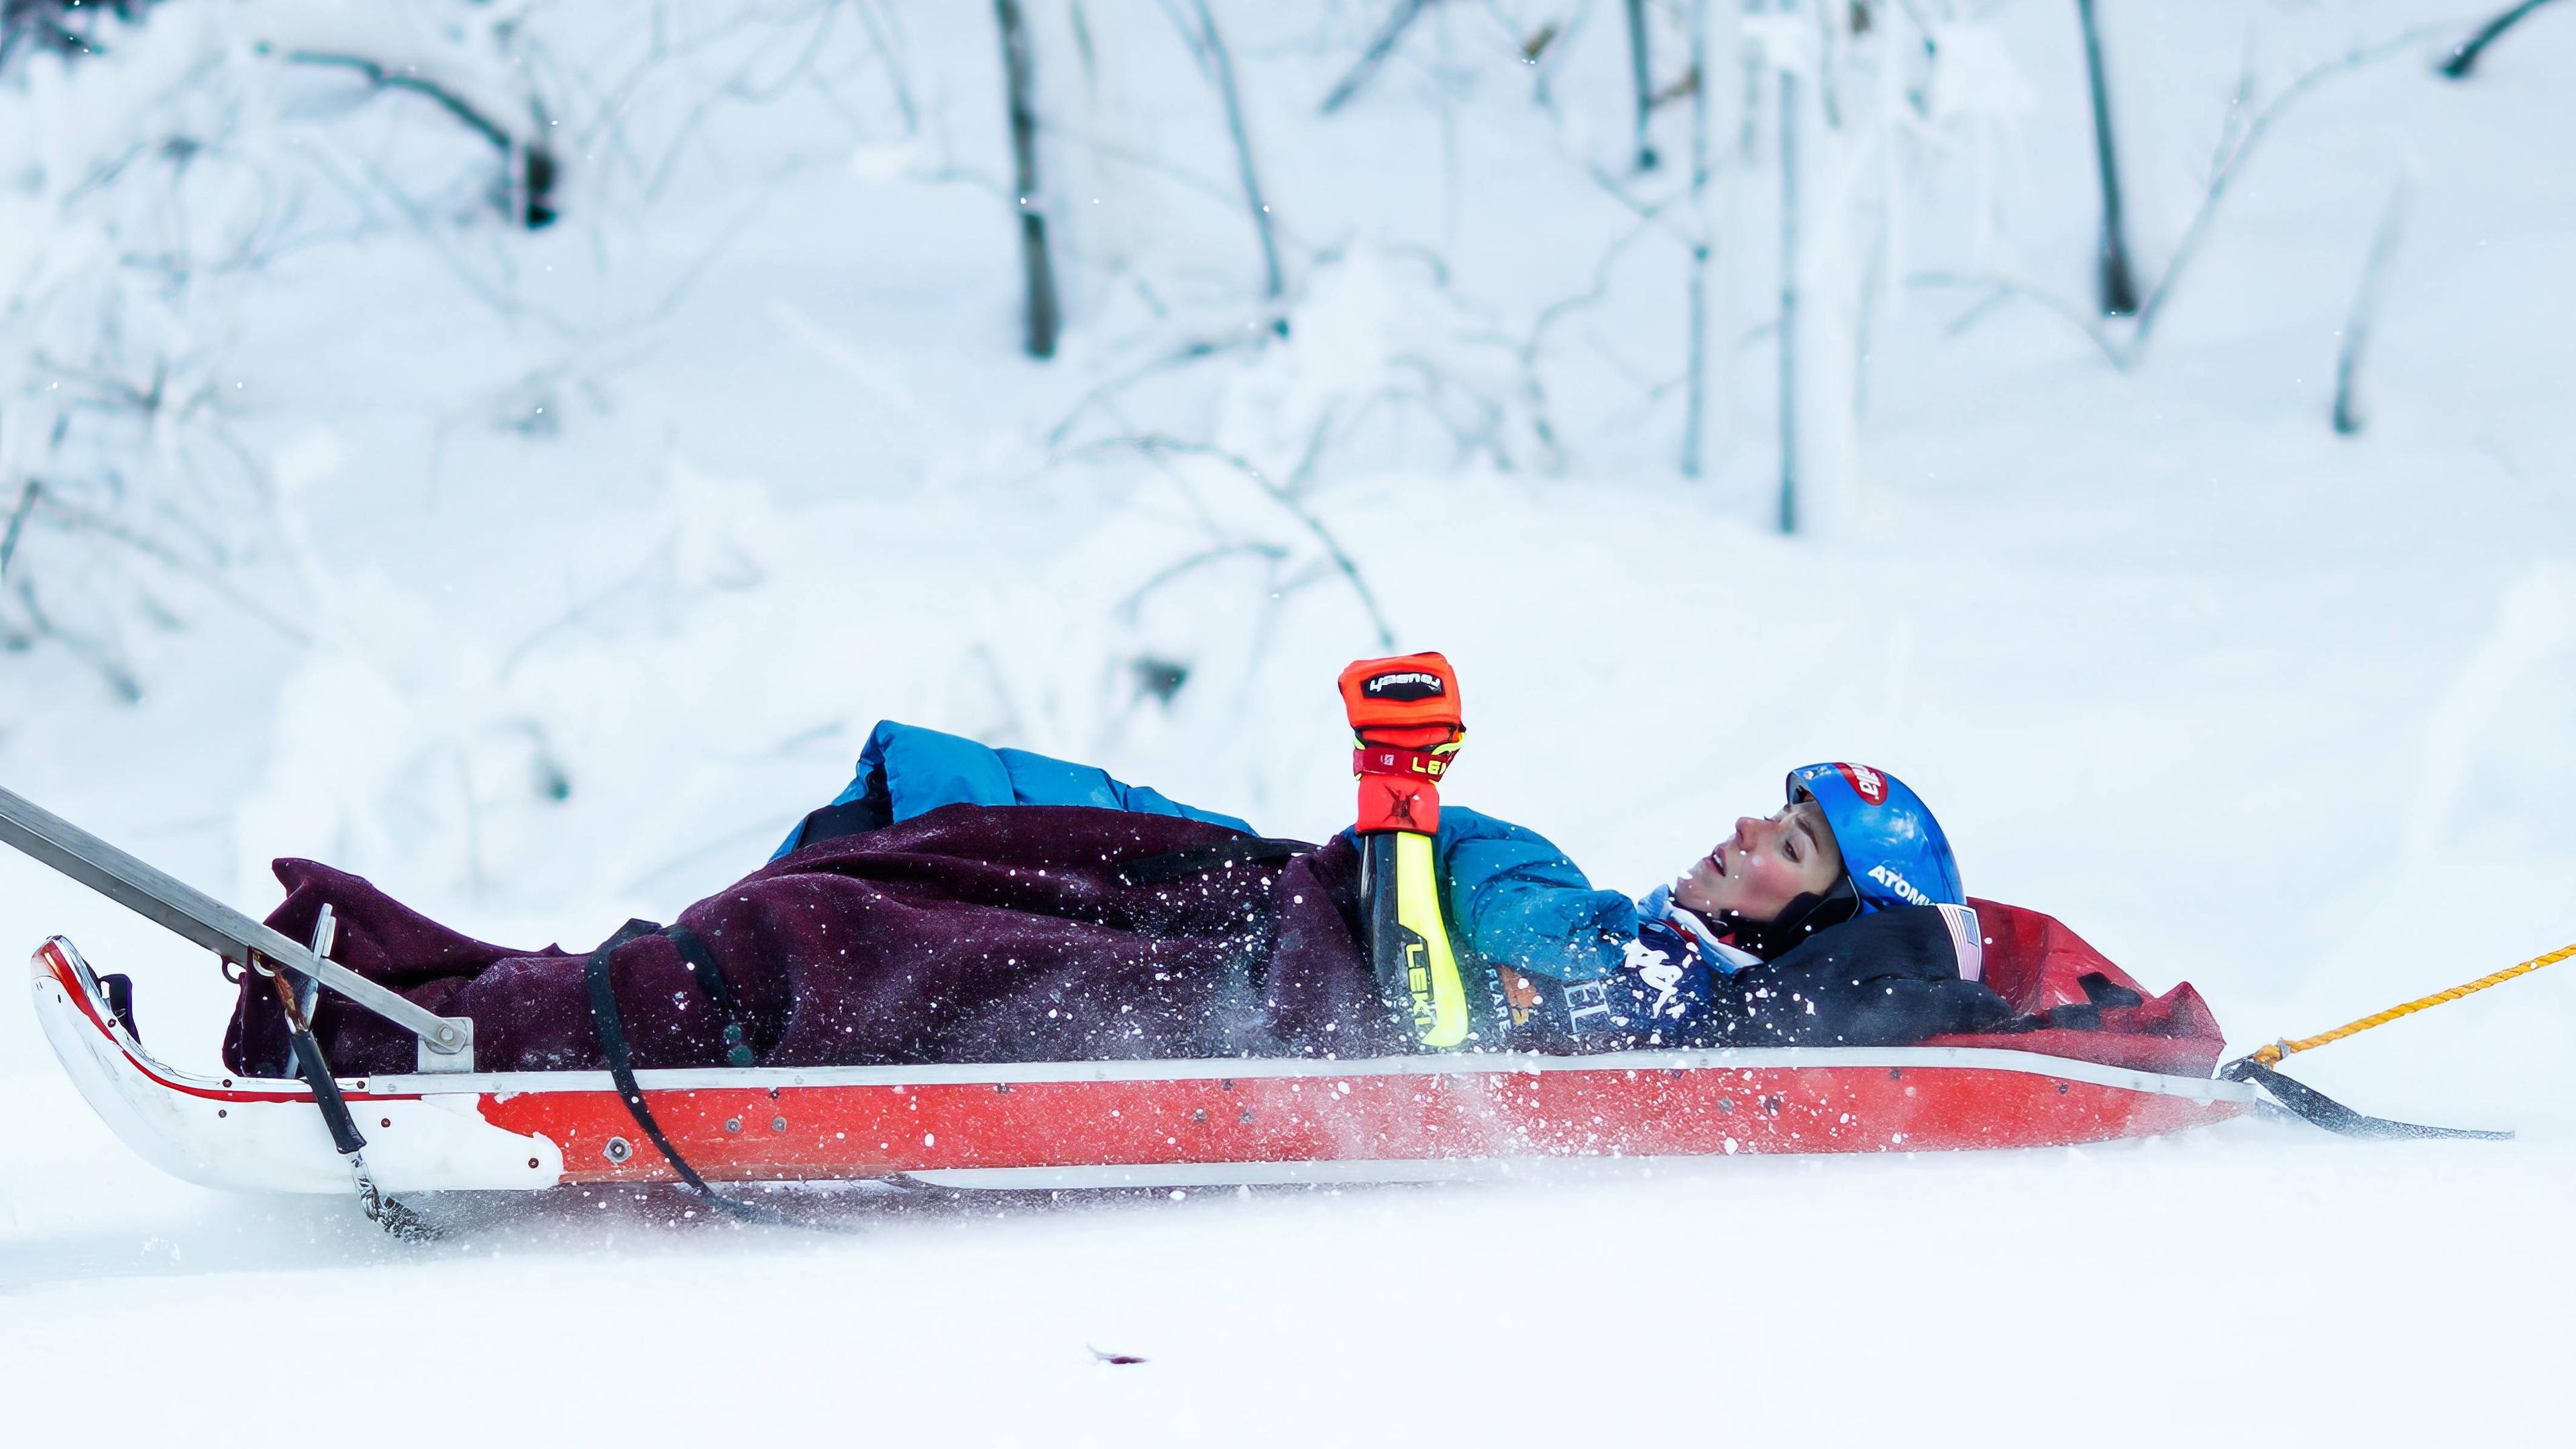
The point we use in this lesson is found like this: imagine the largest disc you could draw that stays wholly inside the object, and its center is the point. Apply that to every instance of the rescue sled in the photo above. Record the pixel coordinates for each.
(1097, 1124)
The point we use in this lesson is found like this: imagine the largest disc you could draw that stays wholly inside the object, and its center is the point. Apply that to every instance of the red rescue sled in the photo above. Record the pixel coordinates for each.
(1175, 1123)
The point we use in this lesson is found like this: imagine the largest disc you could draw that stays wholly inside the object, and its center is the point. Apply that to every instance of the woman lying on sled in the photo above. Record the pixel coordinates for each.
(959, 903)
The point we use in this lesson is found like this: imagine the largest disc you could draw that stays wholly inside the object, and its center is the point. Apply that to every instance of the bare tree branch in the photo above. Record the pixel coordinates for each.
(2234, 153)
(26, 505)
(531, 165)
(1999, 289)
(1102, 393)
(1128, 607)
(2465, 58)
(2351, 407)
(2233, 166)
(1208, 46)
(897, 78)
(1160, 446)
(82, 647)
(1365, 69)
(90, 520)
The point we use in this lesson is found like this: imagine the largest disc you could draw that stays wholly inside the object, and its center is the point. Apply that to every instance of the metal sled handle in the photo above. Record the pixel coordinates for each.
(446, 1042)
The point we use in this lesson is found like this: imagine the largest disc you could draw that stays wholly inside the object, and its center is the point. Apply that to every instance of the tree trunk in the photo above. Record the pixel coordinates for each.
(2119, 284)
(1788, 340)
(1695, 405)
(1039, 271)
(1641, 72)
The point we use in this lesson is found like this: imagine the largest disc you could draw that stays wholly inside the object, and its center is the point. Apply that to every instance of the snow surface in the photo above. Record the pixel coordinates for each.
(2244, 702)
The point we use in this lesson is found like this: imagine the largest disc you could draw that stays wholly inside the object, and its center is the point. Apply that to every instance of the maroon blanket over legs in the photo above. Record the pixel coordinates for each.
(1028, 933)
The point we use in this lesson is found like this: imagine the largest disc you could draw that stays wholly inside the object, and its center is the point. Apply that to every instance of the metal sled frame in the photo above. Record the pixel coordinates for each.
(1101, 1124)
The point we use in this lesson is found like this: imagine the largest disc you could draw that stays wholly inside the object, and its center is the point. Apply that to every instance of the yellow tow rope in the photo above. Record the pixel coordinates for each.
(2271, 1055)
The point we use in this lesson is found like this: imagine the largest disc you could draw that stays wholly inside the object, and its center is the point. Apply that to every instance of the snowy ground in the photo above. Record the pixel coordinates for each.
(2244, 702)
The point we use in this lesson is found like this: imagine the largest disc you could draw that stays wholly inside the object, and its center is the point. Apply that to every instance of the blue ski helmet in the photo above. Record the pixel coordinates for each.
(1892, 847)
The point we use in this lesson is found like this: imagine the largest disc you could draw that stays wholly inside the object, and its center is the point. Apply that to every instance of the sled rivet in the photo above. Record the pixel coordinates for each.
(1895, 1075)
(1199, 1116)
(532, 1162)
(733, 1124)
(777, 1124)
(619, 1149)
(1726, 1106)
(1770, 1106)
(1247, 1114)
(2061, 1089)
(384, 1121)
(223, 1111)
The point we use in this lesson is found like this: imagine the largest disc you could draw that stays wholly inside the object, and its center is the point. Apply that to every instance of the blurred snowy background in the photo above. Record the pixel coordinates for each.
(516, 450)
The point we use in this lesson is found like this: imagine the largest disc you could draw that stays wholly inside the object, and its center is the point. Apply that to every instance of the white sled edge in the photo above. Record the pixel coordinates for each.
(261, 1135)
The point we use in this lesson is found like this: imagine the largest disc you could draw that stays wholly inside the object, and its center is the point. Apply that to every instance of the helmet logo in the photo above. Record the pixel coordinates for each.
(1868, 783)
(1905, 889)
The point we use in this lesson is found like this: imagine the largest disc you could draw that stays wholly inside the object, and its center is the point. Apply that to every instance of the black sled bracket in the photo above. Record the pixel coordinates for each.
(446, 1042)
(2315, 1107)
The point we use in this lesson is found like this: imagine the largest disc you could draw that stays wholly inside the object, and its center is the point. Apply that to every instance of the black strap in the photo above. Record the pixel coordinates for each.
(1199, 859)
(711, 979)
(621, 1058)
(2326, 1112)
(621, 1067)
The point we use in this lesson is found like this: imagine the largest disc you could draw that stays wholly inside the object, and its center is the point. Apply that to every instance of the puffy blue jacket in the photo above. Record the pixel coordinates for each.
(1517, 900)
(907, 771)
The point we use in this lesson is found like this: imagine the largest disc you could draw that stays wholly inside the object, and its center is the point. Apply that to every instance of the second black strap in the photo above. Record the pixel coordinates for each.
(620, 1058)
(701, 961)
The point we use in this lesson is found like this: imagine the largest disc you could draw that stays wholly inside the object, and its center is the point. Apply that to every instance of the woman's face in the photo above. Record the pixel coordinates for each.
(1767, 863)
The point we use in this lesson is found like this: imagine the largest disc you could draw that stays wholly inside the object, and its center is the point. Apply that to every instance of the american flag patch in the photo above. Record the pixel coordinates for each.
(1965, 940)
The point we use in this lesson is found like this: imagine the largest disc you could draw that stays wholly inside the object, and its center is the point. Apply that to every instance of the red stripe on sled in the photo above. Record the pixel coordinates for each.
(749, 1134)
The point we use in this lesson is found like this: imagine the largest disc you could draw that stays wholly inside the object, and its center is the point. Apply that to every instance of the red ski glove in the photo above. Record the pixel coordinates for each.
(1406, 729)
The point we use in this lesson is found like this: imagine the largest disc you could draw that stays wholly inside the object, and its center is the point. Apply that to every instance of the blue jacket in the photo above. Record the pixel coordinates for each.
(907, 771)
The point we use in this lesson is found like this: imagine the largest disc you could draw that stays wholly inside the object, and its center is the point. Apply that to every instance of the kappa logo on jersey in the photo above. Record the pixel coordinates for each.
(1871, 785)
(1659, 973)
(1410, 684)
(1893, 881)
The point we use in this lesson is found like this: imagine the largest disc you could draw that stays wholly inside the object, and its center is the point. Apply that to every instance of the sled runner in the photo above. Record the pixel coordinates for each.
(1099, 1124)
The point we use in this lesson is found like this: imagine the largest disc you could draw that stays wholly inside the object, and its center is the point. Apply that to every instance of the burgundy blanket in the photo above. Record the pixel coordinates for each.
(1032, 933)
